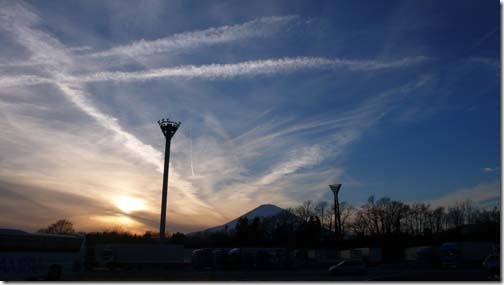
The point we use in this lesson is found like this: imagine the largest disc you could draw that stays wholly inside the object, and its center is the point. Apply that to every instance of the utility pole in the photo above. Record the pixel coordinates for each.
(168, 128)
(335, 188)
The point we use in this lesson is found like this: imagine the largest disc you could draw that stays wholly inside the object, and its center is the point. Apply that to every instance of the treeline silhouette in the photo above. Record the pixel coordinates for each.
(389, 224)
(383, 222)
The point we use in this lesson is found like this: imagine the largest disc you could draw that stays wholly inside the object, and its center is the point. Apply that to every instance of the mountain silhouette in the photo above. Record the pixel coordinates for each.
(263, 211)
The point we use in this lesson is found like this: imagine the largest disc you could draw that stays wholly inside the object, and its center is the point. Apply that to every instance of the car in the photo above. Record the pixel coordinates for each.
(202, 258)
(492, 265)
(348, 267)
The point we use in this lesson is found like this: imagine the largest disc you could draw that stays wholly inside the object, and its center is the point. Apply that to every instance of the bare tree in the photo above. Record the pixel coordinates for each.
(62, 227)
(346, 210)
(469, 211)
(385, 216)
(287, 218)
(437, 219)
(320, 209)
(397, 212)
(305, 210)
(365, 219)
(361, 224)
(418, 218)
(488, 216)
(455, 216)
(373, 215)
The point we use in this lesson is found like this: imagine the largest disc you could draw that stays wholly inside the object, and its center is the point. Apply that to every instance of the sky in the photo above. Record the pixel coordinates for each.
(277, 99)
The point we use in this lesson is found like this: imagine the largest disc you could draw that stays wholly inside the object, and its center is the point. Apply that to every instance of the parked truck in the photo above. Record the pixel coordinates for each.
(369, 255)
(246, 258)
(458, 254)
(422, 256)
(27, 256)
(139, 255)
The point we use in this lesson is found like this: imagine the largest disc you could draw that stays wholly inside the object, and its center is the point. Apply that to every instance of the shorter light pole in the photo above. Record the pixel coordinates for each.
(335, 188)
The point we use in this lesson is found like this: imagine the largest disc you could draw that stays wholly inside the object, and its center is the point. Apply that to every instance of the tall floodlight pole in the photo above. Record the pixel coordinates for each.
(335, 188)
(168, 128)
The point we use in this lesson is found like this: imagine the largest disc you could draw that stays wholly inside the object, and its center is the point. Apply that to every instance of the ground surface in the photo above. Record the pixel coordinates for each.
(381, 273)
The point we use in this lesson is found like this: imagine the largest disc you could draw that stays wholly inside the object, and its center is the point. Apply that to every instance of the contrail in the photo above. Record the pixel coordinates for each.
(77, 95)
(216, 35)
(225, 71)
(190, 151)
(181, 42)
(251, 68)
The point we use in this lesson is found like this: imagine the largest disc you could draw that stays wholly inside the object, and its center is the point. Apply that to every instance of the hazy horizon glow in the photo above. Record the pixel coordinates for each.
(277, 100)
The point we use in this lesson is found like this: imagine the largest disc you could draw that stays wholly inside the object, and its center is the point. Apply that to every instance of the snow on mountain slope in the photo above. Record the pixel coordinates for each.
(263, 211)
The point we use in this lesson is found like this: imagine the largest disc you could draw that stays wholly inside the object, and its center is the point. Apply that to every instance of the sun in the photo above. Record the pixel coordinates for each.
(129, 204)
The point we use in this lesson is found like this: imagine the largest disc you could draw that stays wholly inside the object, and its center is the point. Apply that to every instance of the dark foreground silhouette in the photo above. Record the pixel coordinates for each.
(382, 240)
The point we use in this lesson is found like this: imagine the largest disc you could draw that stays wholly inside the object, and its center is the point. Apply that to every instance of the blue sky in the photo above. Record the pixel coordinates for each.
(277, 100)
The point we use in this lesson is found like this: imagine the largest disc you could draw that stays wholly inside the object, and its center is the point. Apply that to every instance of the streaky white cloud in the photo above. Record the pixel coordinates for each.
(487, 61)
(302, 158)
(225, 71)
(251, 68)
(77, 95)
(298, 174)
(80, 48)
(14, 13)
(346, 126)
(490, 169)
(222, 169)
(261, 27)
(256, 28)
(17, 19)
(24, 80)
(44, 46)
(480, 194)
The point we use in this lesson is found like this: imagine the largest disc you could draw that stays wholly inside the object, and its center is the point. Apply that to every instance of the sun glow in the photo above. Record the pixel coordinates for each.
(129, 204)
(119, 223)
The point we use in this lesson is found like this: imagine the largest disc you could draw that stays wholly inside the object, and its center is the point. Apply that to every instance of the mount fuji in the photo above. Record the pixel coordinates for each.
(263, 211)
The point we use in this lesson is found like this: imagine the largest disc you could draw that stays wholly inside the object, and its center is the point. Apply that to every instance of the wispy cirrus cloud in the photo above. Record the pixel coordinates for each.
(274, 162)
(224, 71)
(483, 194)
(306, 157)
(43, 45)
(299, 173)
(490, 169)
(257, 28)
(181, 42)
(486, 61)
(252, 68)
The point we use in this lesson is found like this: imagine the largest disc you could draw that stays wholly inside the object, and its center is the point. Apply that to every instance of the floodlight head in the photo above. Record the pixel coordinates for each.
(335, 188)
(168, 127)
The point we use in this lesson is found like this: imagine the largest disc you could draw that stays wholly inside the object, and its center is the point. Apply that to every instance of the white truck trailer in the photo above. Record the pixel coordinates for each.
(27, 256)
(139, 255)
(422, 256)
(456, 254)
(370, 255)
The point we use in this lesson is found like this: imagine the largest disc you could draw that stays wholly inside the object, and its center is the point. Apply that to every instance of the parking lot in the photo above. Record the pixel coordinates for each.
(380, 273)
